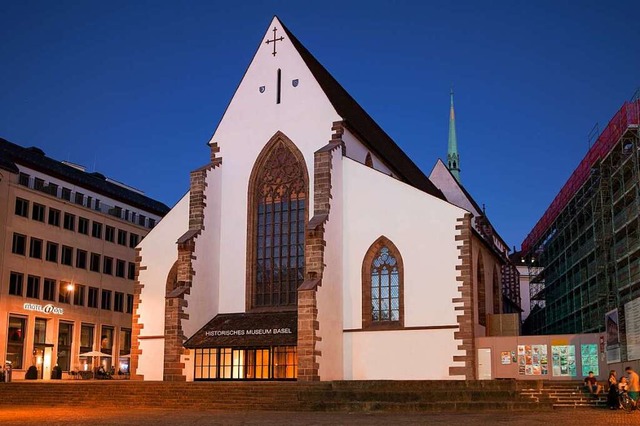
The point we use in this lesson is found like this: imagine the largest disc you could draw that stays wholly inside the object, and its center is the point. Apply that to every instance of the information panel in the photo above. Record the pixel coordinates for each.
(564, 360)
(613, 336)
(532, 360)
(632, 322)
(589, 356)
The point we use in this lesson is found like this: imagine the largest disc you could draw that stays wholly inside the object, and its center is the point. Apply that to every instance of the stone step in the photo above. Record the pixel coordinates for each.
(330, 396)
(405, 396)
(443, 406)
(563, 395)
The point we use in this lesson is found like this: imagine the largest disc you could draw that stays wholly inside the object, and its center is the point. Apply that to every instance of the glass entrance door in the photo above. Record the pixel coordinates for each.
(42, 361)
(38, 354)
(257, 363)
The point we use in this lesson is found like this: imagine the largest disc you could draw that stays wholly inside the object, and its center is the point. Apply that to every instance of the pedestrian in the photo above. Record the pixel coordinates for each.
(612, 396)
(634, 383)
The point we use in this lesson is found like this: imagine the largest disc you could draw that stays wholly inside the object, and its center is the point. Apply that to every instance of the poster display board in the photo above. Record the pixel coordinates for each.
(589, 357)
(563, 360)
(632, 322)
(613, 336)
(532, 360)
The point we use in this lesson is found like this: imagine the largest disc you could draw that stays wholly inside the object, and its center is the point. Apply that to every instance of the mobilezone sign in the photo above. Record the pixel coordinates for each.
(46, 309)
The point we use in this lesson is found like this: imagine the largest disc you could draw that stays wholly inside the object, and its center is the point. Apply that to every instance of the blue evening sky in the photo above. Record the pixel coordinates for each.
(134, 89)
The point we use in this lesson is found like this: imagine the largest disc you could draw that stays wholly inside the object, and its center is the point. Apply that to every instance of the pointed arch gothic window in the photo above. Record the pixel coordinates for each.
(497, 294)
(368, 161)
(482, 297)
(383, 286)
(278, 190)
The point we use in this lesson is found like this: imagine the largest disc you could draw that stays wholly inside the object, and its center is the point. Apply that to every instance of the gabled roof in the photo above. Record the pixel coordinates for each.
(358, 121)
(459, 185)
(34, 158)
(480, 211)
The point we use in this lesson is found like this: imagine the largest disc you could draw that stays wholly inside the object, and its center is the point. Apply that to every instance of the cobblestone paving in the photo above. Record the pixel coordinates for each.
(31, 416)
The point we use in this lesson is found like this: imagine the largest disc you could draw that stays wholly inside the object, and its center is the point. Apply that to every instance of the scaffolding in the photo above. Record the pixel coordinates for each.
(586, 246)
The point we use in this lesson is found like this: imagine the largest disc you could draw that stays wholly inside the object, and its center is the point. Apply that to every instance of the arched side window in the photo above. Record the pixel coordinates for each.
(172, 278)
(497, 293)
(277, 215)
(368, 161)
(482, 294)
(383, 286)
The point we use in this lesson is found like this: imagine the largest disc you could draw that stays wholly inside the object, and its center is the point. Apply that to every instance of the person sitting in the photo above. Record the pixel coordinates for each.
(623, 385)
(591, 384)
(101, 373)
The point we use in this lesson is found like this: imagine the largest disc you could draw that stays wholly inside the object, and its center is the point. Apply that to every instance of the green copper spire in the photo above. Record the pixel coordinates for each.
(453, 158)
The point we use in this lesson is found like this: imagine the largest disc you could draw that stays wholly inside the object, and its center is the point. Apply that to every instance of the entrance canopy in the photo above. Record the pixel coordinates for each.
(247, 330)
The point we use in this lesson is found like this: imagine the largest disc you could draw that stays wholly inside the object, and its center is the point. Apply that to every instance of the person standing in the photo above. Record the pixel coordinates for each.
(612, 396)
(634, 383)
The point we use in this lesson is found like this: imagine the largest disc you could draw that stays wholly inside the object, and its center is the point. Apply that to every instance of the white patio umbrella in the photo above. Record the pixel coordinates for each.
(95, 353)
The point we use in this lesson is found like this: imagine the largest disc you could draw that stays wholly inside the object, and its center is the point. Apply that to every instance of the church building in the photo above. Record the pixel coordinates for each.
(309, 247)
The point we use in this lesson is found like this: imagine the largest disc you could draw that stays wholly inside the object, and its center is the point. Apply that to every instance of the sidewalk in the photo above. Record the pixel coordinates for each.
(32, 416)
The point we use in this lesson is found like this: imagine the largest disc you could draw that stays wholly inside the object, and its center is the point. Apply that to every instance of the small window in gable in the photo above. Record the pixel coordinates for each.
(368, 161)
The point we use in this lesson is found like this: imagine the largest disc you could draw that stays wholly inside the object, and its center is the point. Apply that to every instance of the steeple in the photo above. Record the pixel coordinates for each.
(453, 159)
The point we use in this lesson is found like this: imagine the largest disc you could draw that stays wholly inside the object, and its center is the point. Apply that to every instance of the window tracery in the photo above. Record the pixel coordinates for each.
(277, 220)
(383, 287)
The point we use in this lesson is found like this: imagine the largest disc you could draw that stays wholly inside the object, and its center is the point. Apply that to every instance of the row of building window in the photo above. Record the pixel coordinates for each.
(38, 213)
(16, 342)
(53, 252)
(68, 292)
(84, 200)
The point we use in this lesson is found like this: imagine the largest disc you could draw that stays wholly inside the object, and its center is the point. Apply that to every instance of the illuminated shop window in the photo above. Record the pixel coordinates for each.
(15, 341)
(274, 363)
(65, 338)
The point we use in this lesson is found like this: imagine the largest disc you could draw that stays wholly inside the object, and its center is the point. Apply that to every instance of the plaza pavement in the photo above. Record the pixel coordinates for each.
(31, 416)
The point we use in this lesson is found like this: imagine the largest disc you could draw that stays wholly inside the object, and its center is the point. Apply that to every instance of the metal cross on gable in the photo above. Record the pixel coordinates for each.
(274, 40)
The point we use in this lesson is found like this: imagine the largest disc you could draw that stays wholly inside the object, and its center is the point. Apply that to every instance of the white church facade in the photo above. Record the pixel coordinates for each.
(309, 247)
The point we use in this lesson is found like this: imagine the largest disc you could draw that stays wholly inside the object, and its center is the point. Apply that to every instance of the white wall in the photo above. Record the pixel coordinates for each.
(400, 355)
(442, 179)
(329, 294)
(204, 294)
(357, 151)
(251, 119)
(159, 252)
(423, 229)
(525, 296)
(151, 362)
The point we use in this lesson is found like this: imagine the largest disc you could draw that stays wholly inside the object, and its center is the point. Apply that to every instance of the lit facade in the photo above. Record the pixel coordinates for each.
(309, 247)
(67, 263)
